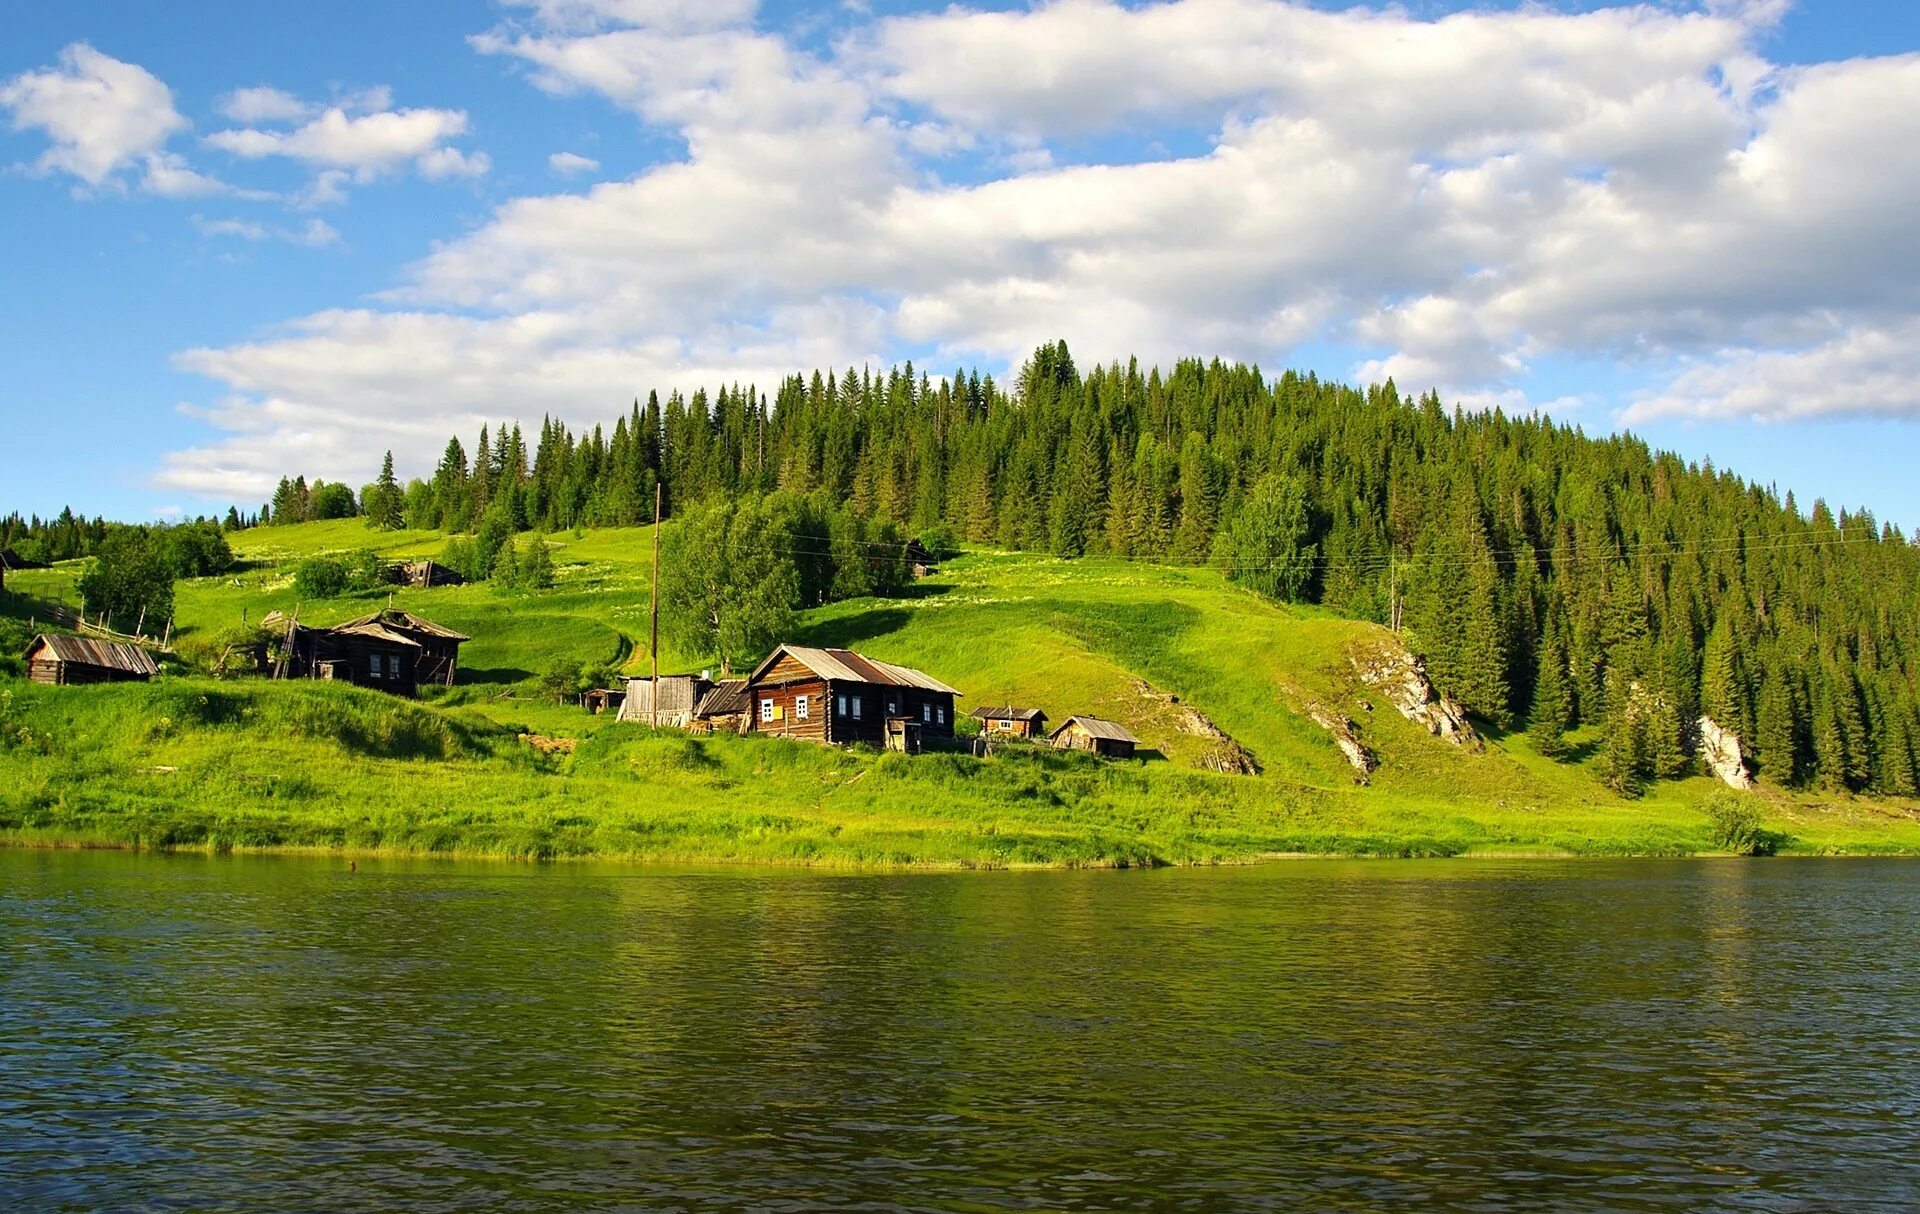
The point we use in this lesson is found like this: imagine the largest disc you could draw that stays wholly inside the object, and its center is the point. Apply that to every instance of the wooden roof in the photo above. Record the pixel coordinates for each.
(846, 666)
(1113, 731)
(85, 651)
(374, 630)
(727, 697)
(1009, 713)
(404, 621)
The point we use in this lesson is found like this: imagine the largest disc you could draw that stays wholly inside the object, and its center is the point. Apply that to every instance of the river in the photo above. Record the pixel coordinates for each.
(283, 1033)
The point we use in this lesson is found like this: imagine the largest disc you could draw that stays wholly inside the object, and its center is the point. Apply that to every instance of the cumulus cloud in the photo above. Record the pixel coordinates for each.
(263, 104)
(1870, 371)
(99, 113)
(571, 164)
(314, 234)
(1458, 199)
(365, 145)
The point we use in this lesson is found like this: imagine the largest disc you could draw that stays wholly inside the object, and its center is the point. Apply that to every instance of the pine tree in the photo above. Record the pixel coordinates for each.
(1552, 712)
(385, 510)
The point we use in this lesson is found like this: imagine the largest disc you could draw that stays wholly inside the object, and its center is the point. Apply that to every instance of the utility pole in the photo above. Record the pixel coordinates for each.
(653, 642)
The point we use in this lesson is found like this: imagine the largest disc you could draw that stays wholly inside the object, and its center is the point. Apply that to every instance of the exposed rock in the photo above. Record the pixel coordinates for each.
(1225, 755)
(1346, 735)
(1720, 751)
(1402, 678)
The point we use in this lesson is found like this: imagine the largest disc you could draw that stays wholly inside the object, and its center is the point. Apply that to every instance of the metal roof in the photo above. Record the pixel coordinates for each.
(1009, 713)
(1113, 731)
(85, 651)
(844, 665)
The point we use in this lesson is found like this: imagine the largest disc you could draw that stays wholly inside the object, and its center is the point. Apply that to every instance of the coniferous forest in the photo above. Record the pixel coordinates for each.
(1552, 580)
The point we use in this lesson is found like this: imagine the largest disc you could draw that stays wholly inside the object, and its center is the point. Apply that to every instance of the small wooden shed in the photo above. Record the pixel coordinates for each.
(425, 574)
(1108, 739)
(62, 661)
(677, 695)
(723, 709)
(600, 699)
(1010, 722)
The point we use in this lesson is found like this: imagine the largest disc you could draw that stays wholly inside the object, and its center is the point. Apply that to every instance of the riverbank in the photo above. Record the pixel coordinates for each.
(196, 765)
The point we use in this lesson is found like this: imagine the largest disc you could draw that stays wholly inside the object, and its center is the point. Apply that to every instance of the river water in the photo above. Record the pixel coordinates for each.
(197, 1034)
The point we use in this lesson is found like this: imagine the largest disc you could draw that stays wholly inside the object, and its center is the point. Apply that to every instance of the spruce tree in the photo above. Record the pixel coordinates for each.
(1552, 712)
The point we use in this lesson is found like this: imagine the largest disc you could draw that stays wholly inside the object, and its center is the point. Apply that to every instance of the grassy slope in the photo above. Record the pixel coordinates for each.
(191, 762)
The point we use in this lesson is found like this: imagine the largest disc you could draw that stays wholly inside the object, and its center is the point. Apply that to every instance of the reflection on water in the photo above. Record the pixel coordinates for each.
(194, 1034)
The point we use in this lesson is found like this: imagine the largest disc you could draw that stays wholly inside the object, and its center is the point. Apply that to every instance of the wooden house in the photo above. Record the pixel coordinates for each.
(920, 559)
(424, 575)
(678, 694)
(1010, 722)
(390, 650)
(1108, 739)
(838, 696)
(67, 660)
(600, 699)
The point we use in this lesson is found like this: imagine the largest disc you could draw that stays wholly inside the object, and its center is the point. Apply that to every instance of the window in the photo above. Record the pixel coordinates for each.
(800, 707)
(840, 704)
(940, 716)
(893, 708)
(926, 713)
(373, 664)
(766, 710)
(854, 703)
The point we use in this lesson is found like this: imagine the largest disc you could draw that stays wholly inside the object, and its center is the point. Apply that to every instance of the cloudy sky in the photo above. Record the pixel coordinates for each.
(244, 239)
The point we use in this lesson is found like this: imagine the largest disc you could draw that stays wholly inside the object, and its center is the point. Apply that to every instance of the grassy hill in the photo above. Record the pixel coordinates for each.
(193, 762)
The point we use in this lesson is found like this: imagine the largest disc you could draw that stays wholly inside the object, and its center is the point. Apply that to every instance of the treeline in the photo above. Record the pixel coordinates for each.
(1549, 577)
(130, 583)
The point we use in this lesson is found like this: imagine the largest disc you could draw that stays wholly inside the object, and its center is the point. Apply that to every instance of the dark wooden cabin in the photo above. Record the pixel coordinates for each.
(422, 574)
(1108, 739)
(1011, 722)
(841, 697)
(600, 699)
(390, 650)
(62, 661)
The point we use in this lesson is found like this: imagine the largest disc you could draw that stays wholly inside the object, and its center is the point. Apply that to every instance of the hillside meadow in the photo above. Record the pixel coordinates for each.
(194, 762)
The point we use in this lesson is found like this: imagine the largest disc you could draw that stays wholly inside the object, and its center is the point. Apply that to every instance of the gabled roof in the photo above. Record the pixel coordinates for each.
(85, 651)
(404, 621)
(846, 666)
(1113, 731)
(1009, 713)
(374, 630)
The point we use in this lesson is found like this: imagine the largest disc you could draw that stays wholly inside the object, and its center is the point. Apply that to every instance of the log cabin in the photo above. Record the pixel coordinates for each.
(1010, 722)
(840, 697)
(1108, 739)
(389, 650)
(64, 661)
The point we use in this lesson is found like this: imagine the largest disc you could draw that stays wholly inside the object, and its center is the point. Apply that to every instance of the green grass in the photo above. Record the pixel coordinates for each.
(190, 762)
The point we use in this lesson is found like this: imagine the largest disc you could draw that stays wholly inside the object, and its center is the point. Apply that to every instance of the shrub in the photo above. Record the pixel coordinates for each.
(1736, 825)
(321, 577)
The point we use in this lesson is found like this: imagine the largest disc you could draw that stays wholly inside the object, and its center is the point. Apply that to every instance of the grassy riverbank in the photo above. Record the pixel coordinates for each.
(190, 762)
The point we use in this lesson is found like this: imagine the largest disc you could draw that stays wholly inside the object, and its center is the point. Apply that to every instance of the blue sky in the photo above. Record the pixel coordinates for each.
(251, 239)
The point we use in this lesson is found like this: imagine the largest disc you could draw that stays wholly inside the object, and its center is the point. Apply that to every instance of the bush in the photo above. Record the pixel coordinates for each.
(1736, 825)
(321, 577)
(940, 542)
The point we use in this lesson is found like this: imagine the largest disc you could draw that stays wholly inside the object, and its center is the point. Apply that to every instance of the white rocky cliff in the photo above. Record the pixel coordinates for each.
(1720, 751)
(1400, 676)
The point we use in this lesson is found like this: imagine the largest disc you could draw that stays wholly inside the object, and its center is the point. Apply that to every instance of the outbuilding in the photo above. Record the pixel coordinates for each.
(390, 650)
(1010, 722)
(842, 697)
(671, 704)
(600, 699)
(1108, 739)
(62, 660)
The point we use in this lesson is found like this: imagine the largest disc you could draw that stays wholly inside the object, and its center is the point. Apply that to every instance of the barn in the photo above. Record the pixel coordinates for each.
(1108, 739)
(424, 574)
(63, 660)
(1010, 722)
(677, 696)
(841, 697)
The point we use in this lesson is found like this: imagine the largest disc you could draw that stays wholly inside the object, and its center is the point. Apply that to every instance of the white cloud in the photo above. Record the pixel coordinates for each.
(101, 114)
(314, 234)
(571, 164)
(262, 104)
(366, 145)
(1463, 198)
(1870, 371)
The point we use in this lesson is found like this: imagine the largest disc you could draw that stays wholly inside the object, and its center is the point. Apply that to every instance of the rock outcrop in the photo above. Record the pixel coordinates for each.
(1400, 676)
(1346, 735)
(1226, 754)
(1720, 751)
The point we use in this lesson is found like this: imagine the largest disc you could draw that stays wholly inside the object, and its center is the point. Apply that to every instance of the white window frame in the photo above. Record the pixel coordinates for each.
(853, 702)
(840, 705)
(940, 715)
(926, 714)
(800, 708)
(766, 711)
